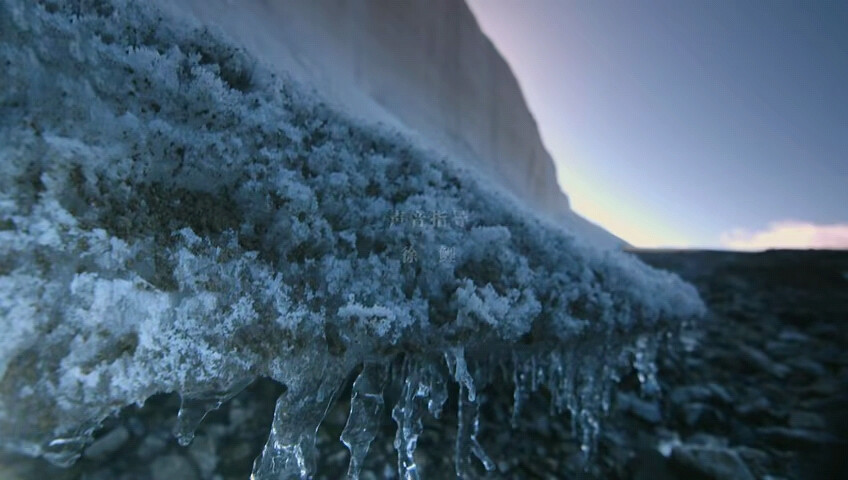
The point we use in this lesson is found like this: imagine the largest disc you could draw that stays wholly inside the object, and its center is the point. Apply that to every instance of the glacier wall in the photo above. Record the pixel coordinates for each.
(423, 67)
(176, 217)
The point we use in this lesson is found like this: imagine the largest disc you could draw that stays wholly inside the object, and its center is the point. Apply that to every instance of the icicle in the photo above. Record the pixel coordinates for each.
(363, 423)
(589, 405)
(65, 451)
(438, 389)
(290, 450)
(407, 415)
(455, 359)
(534, 378)
(420, 382)
(519, 393)
(568, 387)
(589, 430)
(644, 362)
(468, 426)
(195, 407)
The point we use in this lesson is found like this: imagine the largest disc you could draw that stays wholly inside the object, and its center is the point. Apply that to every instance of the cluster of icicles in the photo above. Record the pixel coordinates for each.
(581, 384)
(579, 380)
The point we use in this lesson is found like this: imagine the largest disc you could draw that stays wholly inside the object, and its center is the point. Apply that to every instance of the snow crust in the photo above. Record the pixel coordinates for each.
(176, 217)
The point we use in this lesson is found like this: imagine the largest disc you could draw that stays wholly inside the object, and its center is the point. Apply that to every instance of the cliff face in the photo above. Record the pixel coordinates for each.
(422, 66)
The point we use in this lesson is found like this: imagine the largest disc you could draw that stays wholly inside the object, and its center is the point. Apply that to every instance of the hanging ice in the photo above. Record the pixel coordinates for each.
(366, 407)
(290, 451)
(407, 415)
(468, 425)
(195, 407)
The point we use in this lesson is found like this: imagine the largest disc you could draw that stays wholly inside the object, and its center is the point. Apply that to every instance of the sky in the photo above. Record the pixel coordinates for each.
(689, 124)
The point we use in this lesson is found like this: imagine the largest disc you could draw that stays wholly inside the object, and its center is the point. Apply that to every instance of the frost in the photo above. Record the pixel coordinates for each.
(175, 218)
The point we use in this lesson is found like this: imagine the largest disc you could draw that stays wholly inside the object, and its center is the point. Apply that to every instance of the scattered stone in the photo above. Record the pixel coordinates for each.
(762, 361)
(710, 462)
(796, 438)
(758, 407)
(808, 366)
(753, 455)
(650, 465)
(824, 387)
(108, 444)
(808, 420)
(202, 451)
(702, 439)
(690, 393)
(720, 392)
(136, 426)
(152, 445)
(172, 466)
(700, 414)
(643, 409)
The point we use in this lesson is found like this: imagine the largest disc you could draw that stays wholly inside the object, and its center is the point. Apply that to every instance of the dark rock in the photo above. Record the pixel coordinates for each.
(793, 336)
(136, 426)
(152, 445)
(796, 438)
(720, 392)
(700, 414)
(742, 433)
(202, 451)
(808, 420)
(758, 407)
(762, 361)
(807, 366)
(691, 393)
(650, 465)
(752, 456)
(643, 409)
(173, 466)
(108, 444)
(713, 463)
(702, 439)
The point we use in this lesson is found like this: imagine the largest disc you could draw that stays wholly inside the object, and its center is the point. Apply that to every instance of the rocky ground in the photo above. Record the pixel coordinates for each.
(757, 391)
(764, 392)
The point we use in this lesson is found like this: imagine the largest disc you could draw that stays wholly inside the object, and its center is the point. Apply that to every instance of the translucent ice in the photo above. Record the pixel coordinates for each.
(195, 406)
(366, 408)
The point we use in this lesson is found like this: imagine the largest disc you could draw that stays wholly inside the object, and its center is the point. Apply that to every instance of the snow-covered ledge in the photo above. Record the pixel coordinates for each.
(175, 217)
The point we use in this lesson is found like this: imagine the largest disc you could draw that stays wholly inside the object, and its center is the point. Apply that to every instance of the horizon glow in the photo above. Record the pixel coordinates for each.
(682, 124)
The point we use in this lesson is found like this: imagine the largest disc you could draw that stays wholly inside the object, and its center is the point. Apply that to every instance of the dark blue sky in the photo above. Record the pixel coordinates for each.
(678, 123)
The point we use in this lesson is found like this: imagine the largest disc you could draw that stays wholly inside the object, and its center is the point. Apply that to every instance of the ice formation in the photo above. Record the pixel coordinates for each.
(174, 217)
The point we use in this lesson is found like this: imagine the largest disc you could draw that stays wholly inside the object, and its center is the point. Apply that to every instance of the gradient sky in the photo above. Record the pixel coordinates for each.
(687, 123)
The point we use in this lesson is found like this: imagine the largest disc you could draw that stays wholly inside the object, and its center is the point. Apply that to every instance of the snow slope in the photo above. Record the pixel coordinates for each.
(176, 217)
(421, 66)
